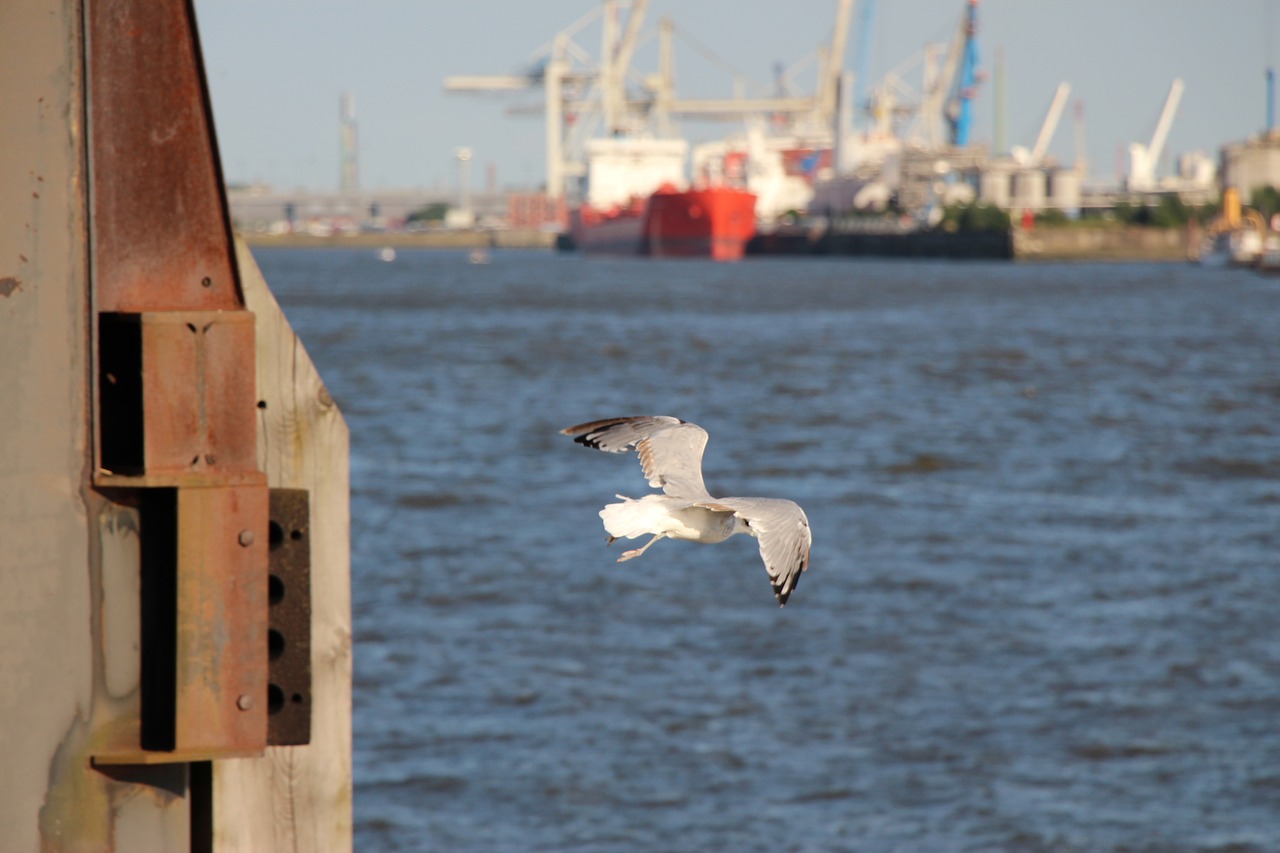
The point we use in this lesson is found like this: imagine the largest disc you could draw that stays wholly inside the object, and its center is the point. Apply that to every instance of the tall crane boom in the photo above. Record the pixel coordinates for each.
(866, 22)
(828, 82)
(960, 110)
(1143, 159)
(615, 59)
(1050, 123)
(1156, 148)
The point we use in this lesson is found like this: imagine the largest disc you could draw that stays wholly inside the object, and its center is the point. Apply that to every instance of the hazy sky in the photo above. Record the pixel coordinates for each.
(277, 67)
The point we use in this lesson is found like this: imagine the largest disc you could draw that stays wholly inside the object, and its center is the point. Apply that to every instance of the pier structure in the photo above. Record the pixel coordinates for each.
(175, 630)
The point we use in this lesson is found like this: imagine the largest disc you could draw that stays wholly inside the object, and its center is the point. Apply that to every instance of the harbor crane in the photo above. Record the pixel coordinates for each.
(941, 108)
(1035, 156)
(580, 91)
(1143, 159)
(959, 111)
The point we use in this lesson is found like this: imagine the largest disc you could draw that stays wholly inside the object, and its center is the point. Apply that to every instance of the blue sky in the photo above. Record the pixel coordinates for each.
(276, 69)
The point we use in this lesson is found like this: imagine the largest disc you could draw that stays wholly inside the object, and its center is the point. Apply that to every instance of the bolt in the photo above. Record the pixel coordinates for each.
(246, 538)
(245, 702)
(206, 281)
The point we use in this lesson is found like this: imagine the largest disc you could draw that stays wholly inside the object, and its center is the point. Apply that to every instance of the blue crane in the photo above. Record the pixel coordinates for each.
(960, 110)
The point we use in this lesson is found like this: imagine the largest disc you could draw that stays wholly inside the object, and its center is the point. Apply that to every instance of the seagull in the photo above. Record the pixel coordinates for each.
(671, 454)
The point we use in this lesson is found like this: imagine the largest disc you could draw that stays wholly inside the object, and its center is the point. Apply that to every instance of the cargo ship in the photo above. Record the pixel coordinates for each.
(711, 222)
(637, 204)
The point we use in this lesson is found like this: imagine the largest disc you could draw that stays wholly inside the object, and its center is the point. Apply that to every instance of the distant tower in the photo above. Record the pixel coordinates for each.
(1271, 99)
(1082, 157)
(1001, 146)
(349, 179)
(464, 178)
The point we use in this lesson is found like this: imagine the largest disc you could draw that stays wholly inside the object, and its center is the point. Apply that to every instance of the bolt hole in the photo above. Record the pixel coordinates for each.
(275, 699)
(191, 326)
(296, 698)
(295, 535)
(275, 644)
(275, 534)
(206, 281)
(262, 404)
(275, 589)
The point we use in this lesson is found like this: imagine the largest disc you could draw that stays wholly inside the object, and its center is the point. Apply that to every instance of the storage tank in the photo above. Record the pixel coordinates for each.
(1064, 191)
(993, 187)
(1029, 189)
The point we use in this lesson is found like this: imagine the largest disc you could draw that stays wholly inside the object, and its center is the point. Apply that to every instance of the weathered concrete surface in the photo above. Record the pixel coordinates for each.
(1075, 243)
(46, 611)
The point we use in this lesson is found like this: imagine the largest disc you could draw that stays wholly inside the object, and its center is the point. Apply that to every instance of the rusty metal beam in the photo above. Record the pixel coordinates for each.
(160, 230)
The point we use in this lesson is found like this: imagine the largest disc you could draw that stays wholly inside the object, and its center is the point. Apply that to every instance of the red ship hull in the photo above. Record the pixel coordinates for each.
(711, 223)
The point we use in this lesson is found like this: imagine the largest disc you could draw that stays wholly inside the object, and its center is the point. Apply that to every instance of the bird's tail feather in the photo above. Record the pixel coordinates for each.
(633, 518)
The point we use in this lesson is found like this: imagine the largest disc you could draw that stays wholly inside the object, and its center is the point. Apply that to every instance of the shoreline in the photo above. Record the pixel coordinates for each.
(1042, 244)
(407, 240)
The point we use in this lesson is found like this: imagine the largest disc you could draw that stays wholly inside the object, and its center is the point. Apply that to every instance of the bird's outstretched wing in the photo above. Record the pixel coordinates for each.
(785, 538)
(670, 449)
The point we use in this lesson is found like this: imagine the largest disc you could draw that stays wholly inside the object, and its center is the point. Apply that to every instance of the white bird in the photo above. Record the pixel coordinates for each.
(671, 454)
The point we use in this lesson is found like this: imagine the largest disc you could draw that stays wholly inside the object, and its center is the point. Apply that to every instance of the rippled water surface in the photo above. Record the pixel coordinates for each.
(1043, 612)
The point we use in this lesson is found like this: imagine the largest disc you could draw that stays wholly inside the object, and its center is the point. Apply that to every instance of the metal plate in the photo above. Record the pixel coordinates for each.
(289, 619)
(203, 628)
(220, 697)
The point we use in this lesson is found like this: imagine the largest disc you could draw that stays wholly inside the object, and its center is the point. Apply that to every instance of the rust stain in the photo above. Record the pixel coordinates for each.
(8, 284)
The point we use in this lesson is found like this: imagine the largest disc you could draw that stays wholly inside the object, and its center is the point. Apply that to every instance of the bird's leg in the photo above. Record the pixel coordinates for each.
(610, 541)
(630, 555)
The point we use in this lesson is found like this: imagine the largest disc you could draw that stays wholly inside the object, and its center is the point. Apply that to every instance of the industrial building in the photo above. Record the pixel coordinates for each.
(1252, 163)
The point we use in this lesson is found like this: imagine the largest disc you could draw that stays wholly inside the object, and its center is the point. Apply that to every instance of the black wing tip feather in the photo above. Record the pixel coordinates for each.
(795, 582)
(588, 439)
(589, 434)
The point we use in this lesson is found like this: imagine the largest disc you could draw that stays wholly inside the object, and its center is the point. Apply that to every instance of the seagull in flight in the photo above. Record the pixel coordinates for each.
(670, 452)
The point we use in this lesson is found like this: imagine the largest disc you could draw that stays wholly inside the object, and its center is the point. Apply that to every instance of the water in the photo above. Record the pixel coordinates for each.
(1041, 613)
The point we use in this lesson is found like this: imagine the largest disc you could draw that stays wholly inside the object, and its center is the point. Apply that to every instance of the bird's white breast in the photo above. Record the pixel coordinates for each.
(699, 524)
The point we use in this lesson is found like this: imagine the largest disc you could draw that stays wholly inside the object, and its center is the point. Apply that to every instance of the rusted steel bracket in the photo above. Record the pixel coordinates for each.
(176, 427)
(289, 630)
(177, 399)
(203, 691)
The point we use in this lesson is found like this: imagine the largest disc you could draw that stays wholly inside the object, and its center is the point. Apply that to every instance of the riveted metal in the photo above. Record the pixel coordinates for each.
(289, 619)
(204, 627)
(221, 624)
